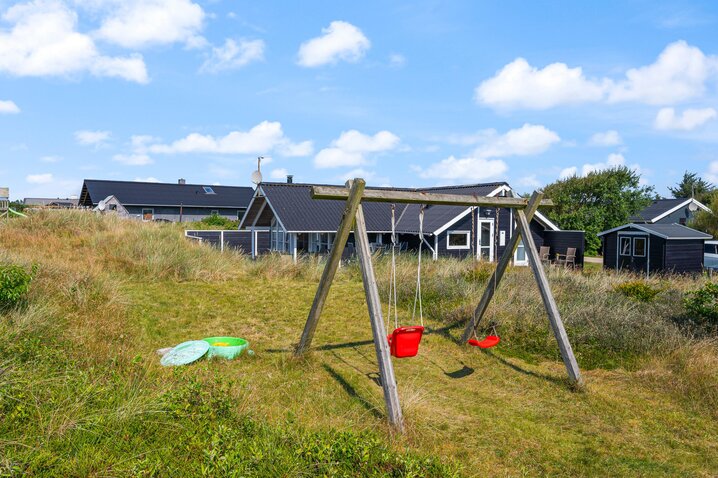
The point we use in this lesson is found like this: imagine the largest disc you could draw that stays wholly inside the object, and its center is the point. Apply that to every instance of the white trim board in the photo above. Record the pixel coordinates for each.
(681, 205)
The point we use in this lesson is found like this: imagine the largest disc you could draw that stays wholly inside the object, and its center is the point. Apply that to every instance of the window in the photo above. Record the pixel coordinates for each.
(639, 247)
(521, 252)
(208, 190)
(320, 242)
(625, 246)
(148, 214)
(240, 214)
(457, 240)
(278, 239)
(214, 212)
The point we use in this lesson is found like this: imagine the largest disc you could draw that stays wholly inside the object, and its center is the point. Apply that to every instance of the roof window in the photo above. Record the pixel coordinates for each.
(208, 190)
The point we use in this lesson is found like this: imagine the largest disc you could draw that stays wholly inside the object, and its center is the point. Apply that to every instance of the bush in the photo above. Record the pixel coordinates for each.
(637, 290)
(214, 221)
(14, 284)
(702, 304)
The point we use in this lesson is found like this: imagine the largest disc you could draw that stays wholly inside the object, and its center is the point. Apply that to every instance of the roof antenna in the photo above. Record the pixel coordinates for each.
(257, 175)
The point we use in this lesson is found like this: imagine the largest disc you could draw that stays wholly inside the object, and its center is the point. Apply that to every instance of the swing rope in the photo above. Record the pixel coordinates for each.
(392, 274)
(417, 294)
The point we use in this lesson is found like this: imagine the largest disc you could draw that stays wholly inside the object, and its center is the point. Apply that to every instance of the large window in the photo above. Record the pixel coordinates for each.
(279, 240)
(625, 246)
(639, 247)
(457, 240)
(148, 214)
(320, 242)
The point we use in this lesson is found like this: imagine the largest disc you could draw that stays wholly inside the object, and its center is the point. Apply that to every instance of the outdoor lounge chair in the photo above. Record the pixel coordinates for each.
(568, 259)
(544, 254)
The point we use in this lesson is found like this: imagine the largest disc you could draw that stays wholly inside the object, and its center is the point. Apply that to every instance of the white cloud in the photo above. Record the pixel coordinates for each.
(233, 55)
(141, 23)
(465, 169)
(524, 141)
(679, 73)
(712, 173)
(340, 41)
(43, 41)
(568, 172)
(51, 159)
(136, 159)
(397, 60)
(149, 179)
(613, 160)
(520, 85)
(606, 138)
(335, 158)
(92, 138)
(351, 147)
(279, 173)
(690, 118)
(265, 137)
(8, 107)
(529, 181)
(43, 178)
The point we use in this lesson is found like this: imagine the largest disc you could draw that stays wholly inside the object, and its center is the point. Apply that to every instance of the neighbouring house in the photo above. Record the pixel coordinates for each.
(669, 211)
(299, 224)
(176, 202)
(649, 248)
(51, 202)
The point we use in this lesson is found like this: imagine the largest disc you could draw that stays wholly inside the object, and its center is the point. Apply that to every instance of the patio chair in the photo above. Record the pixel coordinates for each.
(544, 254)
(568, 259)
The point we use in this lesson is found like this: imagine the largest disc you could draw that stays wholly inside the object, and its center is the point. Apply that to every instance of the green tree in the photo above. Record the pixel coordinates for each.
(599, 201)
(707, 221)
(692, 185)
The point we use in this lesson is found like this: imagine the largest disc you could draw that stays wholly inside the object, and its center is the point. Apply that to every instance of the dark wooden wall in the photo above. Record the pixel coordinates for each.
(560, 241)
(684, 256)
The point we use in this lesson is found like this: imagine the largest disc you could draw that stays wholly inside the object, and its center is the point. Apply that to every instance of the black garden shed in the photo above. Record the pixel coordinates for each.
(649, 248)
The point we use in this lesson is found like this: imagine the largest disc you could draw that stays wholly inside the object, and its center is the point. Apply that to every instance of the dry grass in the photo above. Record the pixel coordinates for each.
(84, 390)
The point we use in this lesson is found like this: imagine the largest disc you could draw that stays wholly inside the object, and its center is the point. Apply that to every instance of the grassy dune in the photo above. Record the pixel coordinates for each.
(82, 392)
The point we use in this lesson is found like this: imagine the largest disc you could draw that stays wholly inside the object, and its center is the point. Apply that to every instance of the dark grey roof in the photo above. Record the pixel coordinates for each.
(50, 201)
(297, 211)
(135, 193)
(666, 231)
(657, 207)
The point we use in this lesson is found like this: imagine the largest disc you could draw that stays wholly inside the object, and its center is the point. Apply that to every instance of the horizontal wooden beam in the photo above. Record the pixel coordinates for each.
(422, 197)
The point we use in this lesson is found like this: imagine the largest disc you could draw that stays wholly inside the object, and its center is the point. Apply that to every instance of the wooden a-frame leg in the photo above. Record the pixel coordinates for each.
(381, 346)
(569, 360)
(498, 274)
(330, 270)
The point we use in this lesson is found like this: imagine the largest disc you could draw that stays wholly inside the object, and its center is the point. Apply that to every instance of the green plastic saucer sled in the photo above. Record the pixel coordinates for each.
(184, 353)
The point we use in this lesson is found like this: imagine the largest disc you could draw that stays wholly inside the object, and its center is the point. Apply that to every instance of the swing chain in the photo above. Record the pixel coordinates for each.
(417, 294)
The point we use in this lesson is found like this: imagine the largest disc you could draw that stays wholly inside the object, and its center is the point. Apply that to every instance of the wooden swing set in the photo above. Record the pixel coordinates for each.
(353, 215)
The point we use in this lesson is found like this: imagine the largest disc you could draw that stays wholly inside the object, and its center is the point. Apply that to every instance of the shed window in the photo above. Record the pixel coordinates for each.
(148, 214)
(639, 247)
(208, 190)
(625, 246)
(457, 240)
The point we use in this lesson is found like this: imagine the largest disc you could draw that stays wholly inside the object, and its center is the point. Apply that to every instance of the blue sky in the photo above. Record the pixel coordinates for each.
(407, 94)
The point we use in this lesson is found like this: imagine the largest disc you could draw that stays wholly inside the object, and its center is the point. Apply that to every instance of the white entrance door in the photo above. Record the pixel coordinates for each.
(485, 240)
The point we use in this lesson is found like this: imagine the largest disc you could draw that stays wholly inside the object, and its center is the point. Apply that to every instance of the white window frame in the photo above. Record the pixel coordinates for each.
(142, 214)
(466, 234)
(620, 246)
(214, 212)
(645, 245)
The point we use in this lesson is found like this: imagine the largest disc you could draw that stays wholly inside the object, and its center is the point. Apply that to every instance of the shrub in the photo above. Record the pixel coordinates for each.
(637, 290)
(14, 284)
(702, 304)
(214, 221)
